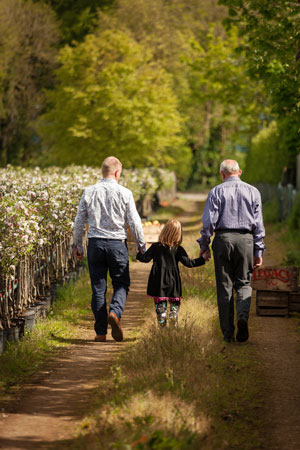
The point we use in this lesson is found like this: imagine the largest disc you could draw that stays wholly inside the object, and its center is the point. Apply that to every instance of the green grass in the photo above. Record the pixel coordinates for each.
(23, 359)
(291, 240)
(288, 230)
(179, 388)
(271, 211)
(173, 388)
(163, 214)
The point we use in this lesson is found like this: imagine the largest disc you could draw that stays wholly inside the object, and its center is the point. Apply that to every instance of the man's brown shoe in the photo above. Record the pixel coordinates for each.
(116, 330)
(100, 337)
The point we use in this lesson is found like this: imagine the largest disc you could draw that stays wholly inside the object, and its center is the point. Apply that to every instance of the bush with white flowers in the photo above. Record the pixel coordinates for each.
(37, 212)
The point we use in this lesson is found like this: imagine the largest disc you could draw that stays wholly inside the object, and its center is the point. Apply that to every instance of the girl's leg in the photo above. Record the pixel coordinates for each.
(174, 308)
(161, 312)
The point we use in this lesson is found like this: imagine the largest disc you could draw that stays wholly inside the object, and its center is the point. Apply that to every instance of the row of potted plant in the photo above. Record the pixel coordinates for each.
(37, 212)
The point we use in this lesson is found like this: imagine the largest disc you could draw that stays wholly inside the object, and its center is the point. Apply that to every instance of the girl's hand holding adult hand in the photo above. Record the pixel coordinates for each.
(206, 255)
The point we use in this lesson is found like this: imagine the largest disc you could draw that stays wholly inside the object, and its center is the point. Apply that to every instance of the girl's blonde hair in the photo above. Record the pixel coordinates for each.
(171, 234)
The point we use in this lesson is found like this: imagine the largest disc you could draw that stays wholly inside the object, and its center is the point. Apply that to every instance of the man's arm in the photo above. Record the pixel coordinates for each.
(209, 219)
(258, 232)
(134, 221)
(79, 224)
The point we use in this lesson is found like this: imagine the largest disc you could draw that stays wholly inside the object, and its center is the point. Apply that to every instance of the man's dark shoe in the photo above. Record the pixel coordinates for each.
(242, 334)
(116, 330)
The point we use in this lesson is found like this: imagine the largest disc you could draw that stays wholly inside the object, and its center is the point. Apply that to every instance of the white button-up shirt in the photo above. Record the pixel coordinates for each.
(107, 207)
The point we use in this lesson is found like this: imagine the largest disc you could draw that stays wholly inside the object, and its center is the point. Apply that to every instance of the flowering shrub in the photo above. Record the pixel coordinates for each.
(38, 207)
(37, 212)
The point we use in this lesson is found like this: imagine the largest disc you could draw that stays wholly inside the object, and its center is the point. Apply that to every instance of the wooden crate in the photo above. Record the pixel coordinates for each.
(275, 279)
(272, 303)
(151, 233)
(294, 301)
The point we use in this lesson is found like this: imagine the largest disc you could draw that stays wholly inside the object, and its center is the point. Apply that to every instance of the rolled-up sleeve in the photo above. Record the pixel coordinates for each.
(80, 222)
(134, 221)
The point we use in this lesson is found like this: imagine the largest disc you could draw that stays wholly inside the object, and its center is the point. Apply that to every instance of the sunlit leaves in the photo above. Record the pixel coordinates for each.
(112, 99)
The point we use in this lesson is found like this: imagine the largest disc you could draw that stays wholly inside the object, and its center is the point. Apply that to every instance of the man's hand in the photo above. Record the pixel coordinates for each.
(141, 250)
(77, 255)
(257, 262)
(206, 254)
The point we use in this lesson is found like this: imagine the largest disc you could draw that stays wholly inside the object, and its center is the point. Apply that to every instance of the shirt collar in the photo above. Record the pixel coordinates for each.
(108, 180)
(234, 178)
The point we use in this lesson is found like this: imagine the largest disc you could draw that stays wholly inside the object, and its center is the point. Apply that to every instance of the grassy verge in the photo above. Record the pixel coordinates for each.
(179, 388)
(288, 231)
(163, 214)
(22, 360)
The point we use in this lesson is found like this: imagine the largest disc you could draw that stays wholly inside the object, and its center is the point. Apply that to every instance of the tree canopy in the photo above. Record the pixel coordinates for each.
(158, 83)
(112, 99)
(271, 33)
(28, 35)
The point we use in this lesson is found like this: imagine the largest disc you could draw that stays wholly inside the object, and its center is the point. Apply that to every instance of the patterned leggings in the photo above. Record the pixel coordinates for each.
(161, 311)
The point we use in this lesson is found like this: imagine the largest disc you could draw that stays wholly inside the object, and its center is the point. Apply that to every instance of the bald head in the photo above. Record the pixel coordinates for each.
(110, 167)
(230, 168)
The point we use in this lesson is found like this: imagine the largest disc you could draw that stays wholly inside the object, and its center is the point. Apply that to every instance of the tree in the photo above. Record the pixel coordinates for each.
(231, 102)
(167, 29)
(112, 99)
(77, 17)
(28, 35)
(271, 34)
(265, 149)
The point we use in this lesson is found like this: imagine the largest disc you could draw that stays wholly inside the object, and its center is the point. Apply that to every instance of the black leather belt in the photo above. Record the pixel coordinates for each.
(233, 230)
(109, 239)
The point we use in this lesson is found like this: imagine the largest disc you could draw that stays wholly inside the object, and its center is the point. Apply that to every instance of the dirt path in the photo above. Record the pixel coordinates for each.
(47, 411)
(277, 346)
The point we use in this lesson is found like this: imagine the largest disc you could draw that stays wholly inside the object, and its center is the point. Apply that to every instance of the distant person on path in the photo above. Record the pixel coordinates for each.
(108, 207)
(164, 283)
(233, 211)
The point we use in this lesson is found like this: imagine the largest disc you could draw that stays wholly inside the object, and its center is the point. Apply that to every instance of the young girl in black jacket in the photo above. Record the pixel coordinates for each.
(164, 283)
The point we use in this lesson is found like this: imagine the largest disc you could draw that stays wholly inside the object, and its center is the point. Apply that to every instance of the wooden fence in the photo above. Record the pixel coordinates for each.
(285, 195)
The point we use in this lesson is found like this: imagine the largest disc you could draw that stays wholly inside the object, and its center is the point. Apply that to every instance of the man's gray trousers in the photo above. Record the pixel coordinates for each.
(233, 258)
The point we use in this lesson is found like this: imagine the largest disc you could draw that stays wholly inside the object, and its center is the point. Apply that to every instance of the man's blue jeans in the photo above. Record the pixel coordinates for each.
(104, 255)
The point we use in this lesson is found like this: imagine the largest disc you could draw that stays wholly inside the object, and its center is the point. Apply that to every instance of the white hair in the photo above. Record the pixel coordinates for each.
(229, 166)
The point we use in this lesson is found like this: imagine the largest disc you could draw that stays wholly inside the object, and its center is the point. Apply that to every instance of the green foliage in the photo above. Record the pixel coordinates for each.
(77, 17)
(292, 258)
(22, 359)
(266, 159)
(294, 219)
(28, 36)
(112, 99)
(271, 211)
(167, 29)
(271, 33)
(231, 103)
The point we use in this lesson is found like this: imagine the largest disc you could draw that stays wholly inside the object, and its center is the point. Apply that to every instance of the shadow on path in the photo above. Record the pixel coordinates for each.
(46, 412)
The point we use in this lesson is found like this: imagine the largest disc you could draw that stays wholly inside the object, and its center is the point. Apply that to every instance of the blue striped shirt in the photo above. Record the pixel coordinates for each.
(233, 205)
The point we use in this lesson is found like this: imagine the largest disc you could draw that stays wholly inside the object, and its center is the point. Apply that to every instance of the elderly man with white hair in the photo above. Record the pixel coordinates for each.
(233, 212)
(108, 207)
